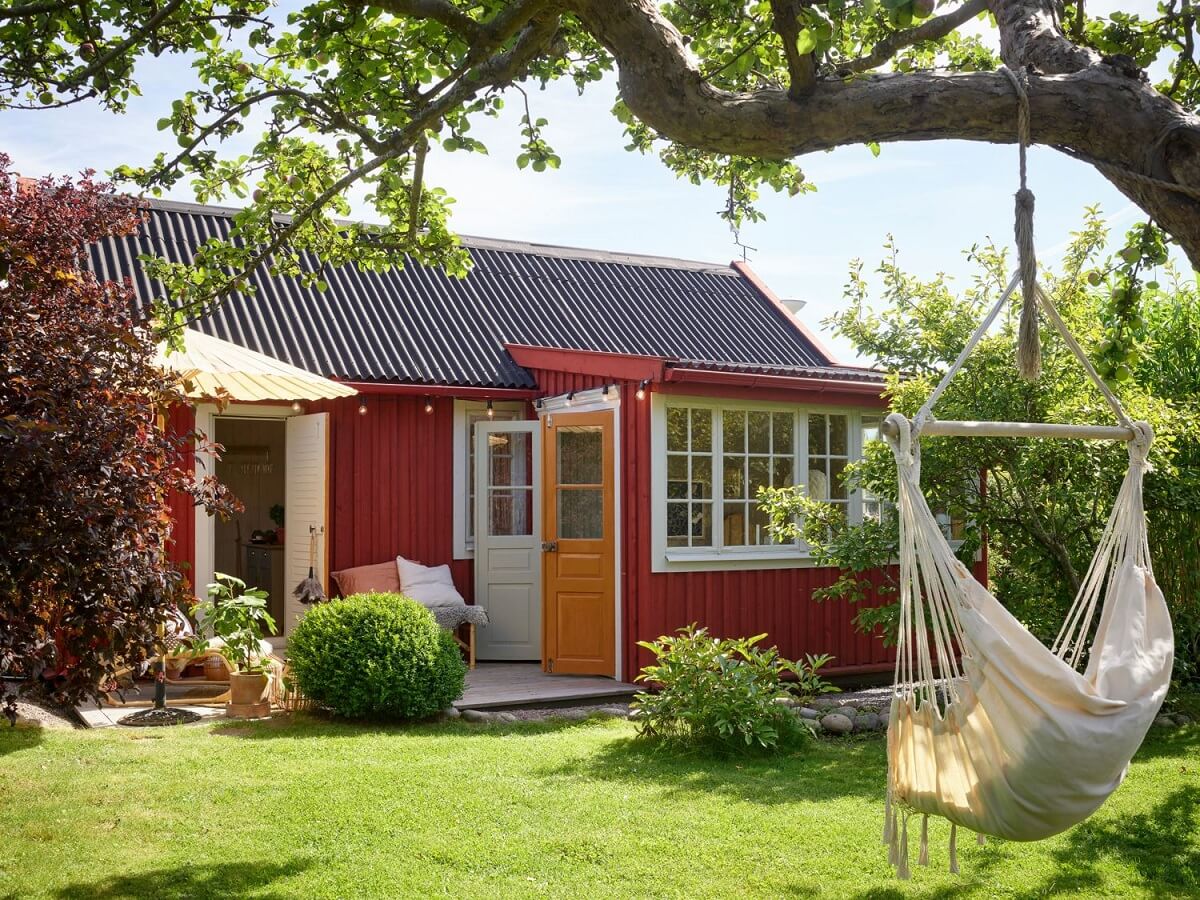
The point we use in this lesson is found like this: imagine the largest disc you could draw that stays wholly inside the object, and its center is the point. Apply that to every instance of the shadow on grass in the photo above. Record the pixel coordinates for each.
(813, 772)
(1162, 742)
(233, 879)
(14, 738)
(317, 725)
(1160, 846)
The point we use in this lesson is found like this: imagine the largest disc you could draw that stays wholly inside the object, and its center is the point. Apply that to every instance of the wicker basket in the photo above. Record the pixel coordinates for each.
(290, 698)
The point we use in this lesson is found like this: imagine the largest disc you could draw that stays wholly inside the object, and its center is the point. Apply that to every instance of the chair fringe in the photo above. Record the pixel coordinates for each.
(902, 871)
(980, 840)
(923, 858)
(887, 818)
(953, 849)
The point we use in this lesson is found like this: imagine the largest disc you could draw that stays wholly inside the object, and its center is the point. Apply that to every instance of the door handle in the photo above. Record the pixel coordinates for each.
(549, 546)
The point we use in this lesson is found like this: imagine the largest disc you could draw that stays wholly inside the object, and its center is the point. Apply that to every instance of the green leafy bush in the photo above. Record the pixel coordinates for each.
(375, 656)
(723, 693)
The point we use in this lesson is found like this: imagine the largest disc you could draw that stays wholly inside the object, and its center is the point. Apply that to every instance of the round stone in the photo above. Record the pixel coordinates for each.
(450, 712)
(866, 722)
(850, 712)
(837, 723)
(1181, 719)
(476, 715)
(1164, 722)
(806, 712)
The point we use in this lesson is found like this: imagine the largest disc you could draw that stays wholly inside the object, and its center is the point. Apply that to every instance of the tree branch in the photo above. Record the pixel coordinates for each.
(1090, 107)
(36, 9)
(802, 70)
(116, 50)
(440, 11)
(930, 30)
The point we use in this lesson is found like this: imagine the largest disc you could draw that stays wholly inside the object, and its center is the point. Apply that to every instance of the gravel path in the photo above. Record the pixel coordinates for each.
(41, 716)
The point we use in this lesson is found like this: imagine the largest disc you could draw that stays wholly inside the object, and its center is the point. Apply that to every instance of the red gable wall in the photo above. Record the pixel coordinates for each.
(391, 483)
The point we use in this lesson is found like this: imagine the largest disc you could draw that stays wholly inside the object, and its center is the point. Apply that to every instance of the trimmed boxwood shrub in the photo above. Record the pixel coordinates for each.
(375, 656)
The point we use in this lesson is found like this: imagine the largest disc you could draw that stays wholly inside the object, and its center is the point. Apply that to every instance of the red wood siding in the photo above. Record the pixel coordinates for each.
(391, 490)
(733, 603)
(182, 548)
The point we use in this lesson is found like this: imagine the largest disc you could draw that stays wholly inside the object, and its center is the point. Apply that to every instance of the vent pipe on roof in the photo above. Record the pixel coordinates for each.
(794, 306)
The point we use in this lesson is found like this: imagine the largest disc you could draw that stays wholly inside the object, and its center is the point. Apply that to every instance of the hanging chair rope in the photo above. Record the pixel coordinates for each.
(1029, 352)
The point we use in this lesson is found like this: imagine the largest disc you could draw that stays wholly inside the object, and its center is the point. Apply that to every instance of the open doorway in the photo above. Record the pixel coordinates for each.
(251, 546)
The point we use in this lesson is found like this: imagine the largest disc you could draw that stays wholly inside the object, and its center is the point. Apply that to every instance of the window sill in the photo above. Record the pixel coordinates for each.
(680, 560)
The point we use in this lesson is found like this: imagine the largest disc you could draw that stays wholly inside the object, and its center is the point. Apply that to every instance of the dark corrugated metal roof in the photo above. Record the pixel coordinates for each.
(417, 325)
(837, 373)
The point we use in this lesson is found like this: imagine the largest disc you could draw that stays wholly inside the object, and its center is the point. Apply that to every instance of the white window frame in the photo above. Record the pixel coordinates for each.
(767, 556)
(464, 546)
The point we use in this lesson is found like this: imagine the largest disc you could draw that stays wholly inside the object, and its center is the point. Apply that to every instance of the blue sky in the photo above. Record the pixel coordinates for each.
(937, 198)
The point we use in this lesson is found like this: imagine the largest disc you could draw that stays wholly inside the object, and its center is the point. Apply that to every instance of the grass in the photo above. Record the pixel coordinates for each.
(312, 808)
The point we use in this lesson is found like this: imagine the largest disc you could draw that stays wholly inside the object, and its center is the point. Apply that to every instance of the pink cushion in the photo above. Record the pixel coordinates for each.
(381, 577)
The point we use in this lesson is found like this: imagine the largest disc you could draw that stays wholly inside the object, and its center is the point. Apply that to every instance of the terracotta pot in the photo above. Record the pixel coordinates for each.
(247, 688)
(248, 696)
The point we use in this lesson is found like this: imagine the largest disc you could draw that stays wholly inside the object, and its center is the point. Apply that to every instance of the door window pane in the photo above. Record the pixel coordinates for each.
(510, 511)
(581, 513)
(470, 420)
(580, 454)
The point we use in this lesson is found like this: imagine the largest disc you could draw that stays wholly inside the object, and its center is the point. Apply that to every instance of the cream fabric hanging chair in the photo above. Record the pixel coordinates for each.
(989, 728)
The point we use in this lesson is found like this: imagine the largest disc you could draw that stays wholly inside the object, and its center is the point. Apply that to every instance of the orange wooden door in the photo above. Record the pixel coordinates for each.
(579, 558)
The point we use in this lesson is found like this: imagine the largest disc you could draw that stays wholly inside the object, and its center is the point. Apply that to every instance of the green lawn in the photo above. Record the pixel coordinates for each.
(310, 808)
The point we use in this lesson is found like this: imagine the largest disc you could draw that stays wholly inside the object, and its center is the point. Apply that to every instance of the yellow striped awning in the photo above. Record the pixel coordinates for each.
(211, 365)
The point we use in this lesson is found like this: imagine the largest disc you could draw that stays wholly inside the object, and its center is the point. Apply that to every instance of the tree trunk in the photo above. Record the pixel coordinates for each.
(1078, 103)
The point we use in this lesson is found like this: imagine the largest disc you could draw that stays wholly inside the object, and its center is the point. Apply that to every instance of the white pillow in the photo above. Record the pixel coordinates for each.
(428, 585)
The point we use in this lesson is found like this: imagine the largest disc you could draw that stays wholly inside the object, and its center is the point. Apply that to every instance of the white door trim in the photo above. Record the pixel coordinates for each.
(484, 541)
(593, 400)
(206, 537)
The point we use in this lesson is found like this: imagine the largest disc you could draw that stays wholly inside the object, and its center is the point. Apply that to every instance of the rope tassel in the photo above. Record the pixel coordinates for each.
(887, 818)
(902, 863)
(953, 849)
(923, 858)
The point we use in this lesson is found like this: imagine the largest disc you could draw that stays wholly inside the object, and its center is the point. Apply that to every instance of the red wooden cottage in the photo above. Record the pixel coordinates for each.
(580, 435)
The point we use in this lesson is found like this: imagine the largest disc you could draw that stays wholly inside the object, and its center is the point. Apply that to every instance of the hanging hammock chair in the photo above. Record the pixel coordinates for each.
(989, 728)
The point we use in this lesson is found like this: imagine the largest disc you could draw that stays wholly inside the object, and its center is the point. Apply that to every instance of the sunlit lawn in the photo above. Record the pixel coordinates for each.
(310, 808)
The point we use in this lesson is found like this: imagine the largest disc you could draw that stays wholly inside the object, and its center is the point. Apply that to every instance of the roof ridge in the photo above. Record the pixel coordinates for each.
(561, 251)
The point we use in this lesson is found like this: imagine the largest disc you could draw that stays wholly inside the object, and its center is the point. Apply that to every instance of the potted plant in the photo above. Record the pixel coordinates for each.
(237, 616)
(276, 514)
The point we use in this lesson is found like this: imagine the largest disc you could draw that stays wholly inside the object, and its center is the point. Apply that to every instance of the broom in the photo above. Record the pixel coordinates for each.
(309, 590)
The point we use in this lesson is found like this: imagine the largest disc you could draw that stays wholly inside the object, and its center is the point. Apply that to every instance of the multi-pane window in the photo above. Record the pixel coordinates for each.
(828, 454)
(872, 506)
(689, 477)
(719, 456)
(757, 450)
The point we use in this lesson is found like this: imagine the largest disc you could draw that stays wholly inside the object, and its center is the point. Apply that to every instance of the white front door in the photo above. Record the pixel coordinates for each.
(508, 512)
(305, 504)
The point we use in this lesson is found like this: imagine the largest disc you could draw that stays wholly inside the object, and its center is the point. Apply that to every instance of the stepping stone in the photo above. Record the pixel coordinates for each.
(837, 723)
